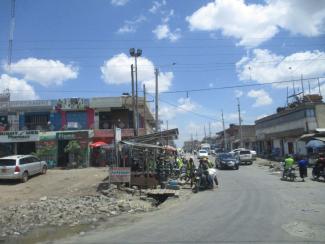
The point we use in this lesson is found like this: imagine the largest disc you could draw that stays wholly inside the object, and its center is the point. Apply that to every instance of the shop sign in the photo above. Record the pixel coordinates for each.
(19, 136)
(47, 136)
(104, 133)
(118, 135)
(106, 102)
(31, 103)
(120, 174)
(72, 135)
(72, 104)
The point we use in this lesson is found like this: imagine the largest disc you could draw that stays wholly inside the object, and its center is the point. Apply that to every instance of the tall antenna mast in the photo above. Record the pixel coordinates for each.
(11, 34)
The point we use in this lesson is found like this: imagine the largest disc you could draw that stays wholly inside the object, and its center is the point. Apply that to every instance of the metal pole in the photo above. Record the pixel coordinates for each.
(136, 96)
(144, 108)
(133, 102)
(302, 86)
(156, 99)
(11, 34)
(320, 93)
(240, 128)
(224, 132)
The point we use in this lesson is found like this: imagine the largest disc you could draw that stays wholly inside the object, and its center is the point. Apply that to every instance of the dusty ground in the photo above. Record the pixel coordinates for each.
(56, 183)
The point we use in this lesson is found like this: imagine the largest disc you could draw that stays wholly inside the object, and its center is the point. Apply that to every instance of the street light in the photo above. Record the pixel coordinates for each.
(136, 54)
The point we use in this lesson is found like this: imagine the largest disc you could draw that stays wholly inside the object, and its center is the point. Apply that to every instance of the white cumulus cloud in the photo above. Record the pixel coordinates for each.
(119, 2)
(131, 26)
(117, 71)
(156, 6)
(264, 66)
(43, 71)
(184, 105)
(253, 24)
(261, 96)
(163, 32)
(19, 89)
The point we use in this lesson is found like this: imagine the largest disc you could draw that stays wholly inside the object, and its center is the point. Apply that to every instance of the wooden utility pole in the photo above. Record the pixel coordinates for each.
(240, 127)
(224, 132)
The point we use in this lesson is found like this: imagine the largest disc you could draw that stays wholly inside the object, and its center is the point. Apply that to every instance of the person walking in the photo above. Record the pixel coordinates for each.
(302, 164)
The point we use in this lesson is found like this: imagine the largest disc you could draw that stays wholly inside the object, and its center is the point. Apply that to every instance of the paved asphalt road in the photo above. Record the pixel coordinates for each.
(251, 206)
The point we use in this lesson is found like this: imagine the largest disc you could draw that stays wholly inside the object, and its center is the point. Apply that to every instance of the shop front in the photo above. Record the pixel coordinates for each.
(73, 146)
(47, 148)
(18, 142)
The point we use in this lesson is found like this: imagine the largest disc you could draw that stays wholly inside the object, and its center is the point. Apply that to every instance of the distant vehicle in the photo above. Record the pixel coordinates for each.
(206, 146)
(245, 157)
(226, 160)
(237, 150)
(213, 152)
(21, 167)
(202, 154)
(253, 154)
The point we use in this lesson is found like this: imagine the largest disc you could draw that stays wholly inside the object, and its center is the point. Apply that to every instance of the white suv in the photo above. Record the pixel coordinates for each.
(21, 167)
(245, 156)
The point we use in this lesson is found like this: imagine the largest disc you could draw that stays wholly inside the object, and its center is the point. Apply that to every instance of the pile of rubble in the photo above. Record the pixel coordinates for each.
(73, 211)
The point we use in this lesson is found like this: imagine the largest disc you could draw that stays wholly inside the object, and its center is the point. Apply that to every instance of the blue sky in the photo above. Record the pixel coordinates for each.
(80, 49)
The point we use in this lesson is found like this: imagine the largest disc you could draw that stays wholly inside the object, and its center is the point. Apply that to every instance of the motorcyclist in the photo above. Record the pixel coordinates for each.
(320, 165)
(204, 166)
(288, 163)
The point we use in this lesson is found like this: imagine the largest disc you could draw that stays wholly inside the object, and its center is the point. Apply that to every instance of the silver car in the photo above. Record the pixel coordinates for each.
(21, 167)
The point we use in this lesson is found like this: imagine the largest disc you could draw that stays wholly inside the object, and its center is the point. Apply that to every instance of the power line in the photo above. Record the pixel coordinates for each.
(176, 91)
(239, 86)
(151, 39)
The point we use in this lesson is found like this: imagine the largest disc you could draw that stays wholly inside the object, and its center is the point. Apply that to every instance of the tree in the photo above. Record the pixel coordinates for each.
(74, 149)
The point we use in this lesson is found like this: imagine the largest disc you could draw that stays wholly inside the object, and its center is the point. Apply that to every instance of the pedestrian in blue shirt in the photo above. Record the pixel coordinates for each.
(303, 163)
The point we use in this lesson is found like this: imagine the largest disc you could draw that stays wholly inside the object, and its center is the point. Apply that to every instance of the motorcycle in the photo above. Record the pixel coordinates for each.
(289, 174)
(318, 172)
(204, 181)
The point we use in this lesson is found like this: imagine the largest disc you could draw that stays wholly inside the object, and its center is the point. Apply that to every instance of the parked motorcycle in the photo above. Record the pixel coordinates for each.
(289, 174)
(318, 172)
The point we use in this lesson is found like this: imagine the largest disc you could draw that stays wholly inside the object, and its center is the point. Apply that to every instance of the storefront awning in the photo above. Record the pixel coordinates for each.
(98, 144)
(139, 144)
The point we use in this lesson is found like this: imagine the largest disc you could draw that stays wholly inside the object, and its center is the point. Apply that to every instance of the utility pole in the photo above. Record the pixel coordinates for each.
(210, 130)
(167, 124)
(11, 34)
(144, 107)
(224, 132)
(240, 128)
(156, 99)
(320, 93)
(302, 86)
(205, 134)
(133, 103)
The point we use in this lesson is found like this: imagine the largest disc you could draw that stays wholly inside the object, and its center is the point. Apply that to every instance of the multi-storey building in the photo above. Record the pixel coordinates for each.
(29, 126)
(279, 133)
(233, 137)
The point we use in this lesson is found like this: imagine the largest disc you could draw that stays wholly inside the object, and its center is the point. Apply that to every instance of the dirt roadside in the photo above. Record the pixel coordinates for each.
(56, 183)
